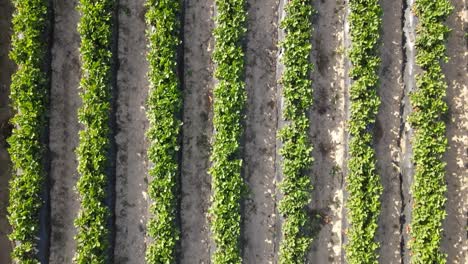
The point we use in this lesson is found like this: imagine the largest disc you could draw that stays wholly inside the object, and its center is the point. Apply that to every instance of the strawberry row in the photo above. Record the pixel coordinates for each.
(228, 107)
(163, 111)
(429, 142)
(29, 98)
(363, 182)
(296, 148)
(92, 223)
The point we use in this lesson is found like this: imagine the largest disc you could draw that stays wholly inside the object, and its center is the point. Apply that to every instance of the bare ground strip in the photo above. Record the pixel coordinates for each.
(387, 133)
(260, 132)
(131, 205)
(64, 128)
(327, 131)
(197, 131)
(455, 240)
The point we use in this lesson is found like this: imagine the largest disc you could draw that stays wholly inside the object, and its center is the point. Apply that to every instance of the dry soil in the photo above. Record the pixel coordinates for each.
(64, 129)
(131, 205)
(197, 130)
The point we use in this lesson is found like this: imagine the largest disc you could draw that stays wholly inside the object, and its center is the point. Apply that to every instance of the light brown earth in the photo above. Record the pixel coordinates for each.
(455, 242)
(64, 128)
(260, 218)
(131, 205)
(197, 130)
(327, 131)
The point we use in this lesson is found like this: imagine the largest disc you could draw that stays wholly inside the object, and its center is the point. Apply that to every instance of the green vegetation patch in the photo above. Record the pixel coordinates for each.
(228, 107)
(163, 111)
(429, 142)
(29, 99)
(95, 28)
(296, 148)
(363, 182)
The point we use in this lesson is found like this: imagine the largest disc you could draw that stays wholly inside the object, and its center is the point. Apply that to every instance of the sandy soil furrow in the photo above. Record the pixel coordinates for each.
(327, 131)
(405, 165)
(387, 132)
(6, 70)
(131, 203)
(260, 132)
(346, 37)
(455, 241)
(279, 124)
(64, 128)
(197, 131)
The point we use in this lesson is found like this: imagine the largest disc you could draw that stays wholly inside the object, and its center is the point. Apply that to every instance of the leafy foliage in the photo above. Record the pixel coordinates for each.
(429, 142)
(296, 150)
(29, 98)
(229, 100)
(363, 184)
(164, 106)
(95, 28)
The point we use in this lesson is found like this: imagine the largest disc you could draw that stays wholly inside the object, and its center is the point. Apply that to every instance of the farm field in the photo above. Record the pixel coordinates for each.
(233, 131)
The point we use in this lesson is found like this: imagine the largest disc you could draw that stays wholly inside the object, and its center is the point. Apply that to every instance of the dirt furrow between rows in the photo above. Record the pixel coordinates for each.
(455, 240)
(328, 120)
(64, 127)
(387, 132)
(131, 204)
(197, 131)
(405, 165)
(260, 132)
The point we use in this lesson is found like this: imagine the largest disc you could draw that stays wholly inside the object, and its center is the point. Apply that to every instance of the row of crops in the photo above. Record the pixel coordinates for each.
(363, 182)
(228, 111)
(296, 149)
(163, 112)
(92, 223)
(29, 97)
(430, 142)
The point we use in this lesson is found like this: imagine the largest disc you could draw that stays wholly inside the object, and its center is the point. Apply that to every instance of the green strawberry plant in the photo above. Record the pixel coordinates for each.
(363, 182)
(228, 114)
(29, 99)
(95, 28)
(429, 142)
(296, 150)
(163, 111)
